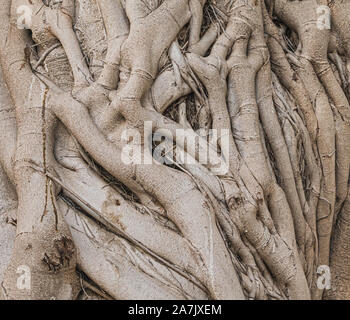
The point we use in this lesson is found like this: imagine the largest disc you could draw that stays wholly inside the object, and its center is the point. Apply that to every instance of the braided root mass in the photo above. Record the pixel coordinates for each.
(174, 149)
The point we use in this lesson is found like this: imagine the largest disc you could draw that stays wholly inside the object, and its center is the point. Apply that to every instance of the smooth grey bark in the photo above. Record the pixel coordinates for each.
(88, 223)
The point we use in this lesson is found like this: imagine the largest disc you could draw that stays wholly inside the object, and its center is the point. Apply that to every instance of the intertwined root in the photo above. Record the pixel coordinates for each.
(259, 230)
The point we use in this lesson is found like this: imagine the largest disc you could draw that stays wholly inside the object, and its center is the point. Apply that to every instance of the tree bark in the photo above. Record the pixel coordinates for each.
(174, 149)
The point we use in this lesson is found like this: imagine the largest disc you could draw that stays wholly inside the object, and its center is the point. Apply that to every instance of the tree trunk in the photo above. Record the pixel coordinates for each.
(174, 149)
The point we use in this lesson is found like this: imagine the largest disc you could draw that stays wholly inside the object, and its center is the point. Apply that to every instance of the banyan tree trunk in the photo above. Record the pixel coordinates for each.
(174, 149)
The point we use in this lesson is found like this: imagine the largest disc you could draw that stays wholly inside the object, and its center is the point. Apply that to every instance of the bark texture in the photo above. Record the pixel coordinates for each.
(174, 149)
